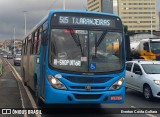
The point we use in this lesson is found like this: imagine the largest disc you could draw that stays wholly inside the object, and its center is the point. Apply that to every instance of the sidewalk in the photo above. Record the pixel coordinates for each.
(9, 90)
(12, 93)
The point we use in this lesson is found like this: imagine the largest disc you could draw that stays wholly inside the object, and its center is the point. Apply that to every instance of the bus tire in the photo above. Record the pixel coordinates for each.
(24, 82)
(37, 99)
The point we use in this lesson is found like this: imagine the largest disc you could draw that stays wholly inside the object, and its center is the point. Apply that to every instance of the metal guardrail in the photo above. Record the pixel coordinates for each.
(1, 67)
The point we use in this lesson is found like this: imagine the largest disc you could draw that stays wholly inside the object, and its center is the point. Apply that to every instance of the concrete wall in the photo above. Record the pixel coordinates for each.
(138, 37)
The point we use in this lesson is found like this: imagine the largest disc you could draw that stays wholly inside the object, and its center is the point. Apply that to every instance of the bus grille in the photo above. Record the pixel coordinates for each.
(84, 88)
(86, 96)
(87, 79)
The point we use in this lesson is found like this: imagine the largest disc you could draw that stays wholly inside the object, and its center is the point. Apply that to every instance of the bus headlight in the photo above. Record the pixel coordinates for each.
(56, 83)
(117, 85)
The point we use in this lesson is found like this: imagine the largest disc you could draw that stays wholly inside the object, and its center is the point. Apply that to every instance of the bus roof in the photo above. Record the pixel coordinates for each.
(51, 12)
(82, 11)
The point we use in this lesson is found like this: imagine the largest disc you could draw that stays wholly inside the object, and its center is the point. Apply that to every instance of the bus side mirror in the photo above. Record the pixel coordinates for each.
(127, 48)
(44, 38)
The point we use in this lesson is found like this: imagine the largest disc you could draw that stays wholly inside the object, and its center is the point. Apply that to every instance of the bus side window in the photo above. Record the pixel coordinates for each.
(26, 45)
(39, 42)
(32, 40)
(31, 43)
(36, 46)
(35, 43)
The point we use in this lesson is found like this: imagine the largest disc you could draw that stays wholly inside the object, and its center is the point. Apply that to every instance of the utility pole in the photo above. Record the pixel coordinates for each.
(14, 31)
(64, 3)
(25, 22)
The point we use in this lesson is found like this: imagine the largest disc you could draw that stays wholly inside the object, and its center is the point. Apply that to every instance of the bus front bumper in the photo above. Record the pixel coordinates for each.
(54, 96)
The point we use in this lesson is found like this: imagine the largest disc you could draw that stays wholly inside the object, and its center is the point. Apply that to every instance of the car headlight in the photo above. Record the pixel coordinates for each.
(157, 82)
(117, 85)
(56, 83)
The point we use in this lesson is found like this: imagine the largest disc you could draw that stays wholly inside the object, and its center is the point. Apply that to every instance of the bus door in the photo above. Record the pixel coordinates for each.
(43, 62)
(28, 56)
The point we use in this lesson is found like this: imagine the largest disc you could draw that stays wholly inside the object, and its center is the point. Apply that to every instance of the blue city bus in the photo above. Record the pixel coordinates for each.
(74, 57)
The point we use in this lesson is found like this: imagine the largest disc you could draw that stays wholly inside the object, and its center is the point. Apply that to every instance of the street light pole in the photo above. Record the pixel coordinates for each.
(14, 31)
(64, 3)
(25, 22)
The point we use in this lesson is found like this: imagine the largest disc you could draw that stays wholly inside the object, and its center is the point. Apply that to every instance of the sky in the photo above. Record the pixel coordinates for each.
(12, 14)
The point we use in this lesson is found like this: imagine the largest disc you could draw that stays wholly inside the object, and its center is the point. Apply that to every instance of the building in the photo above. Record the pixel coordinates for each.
(6, 44)
(109, 6)
(138, 15)
(1, 44)
(18, 44)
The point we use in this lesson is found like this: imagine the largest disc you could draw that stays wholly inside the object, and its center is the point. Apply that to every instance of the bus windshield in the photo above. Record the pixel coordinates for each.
(86, 50)
(155, 47)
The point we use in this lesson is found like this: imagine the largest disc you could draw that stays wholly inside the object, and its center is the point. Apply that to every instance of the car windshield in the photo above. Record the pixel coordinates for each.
(151, 68)
(155, 47)
(86, 50)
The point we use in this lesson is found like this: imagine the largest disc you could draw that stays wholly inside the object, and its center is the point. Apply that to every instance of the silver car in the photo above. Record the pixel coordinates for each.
(4, 56)
(144, 76)
(17, 59)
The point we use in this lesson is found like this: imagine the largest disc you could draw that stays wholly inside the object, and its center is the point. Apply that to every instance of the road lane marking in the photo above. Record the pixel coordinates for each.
(133, 107)
(17, 76)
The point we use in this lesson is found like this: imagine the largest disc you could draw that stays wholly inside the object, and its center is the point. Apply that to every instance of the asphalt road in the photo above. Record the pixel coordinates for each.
(133, 100)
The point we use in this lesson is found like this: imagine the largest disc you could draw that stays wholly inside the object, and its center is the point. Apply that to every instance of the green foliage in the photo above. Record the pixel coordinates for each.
(127, 32)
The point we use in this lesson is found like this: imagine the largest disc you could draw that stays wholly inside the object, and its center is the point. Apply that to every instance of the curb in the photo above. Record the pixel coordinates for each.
(1, 67)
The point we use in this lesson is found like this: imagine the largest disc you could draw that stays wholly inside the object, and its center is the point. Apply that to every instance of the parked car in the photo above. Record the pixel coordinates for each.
(9, 56)
(144, 76)
(17, 59)
(4, 56)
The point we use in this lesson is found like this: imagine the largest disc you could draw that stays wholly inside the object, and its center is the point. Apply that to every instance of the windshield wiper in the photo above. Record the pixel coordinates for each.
(100, 40)
(101, 37)
(75, 37)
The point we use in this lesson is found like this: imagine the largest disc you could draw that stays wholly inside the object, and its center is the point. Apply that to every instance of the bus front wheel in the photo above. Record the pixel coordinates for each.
(37, 99)
(24, 82)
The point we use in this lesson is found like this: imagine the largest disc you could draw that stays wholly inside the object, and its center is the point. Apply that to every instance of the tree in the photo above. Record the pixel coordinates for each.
(127, 32)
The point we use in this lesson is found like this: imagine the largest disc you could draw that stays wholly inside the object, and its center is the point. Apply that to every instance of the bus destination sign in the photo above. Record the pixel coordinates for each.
(86, 21)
